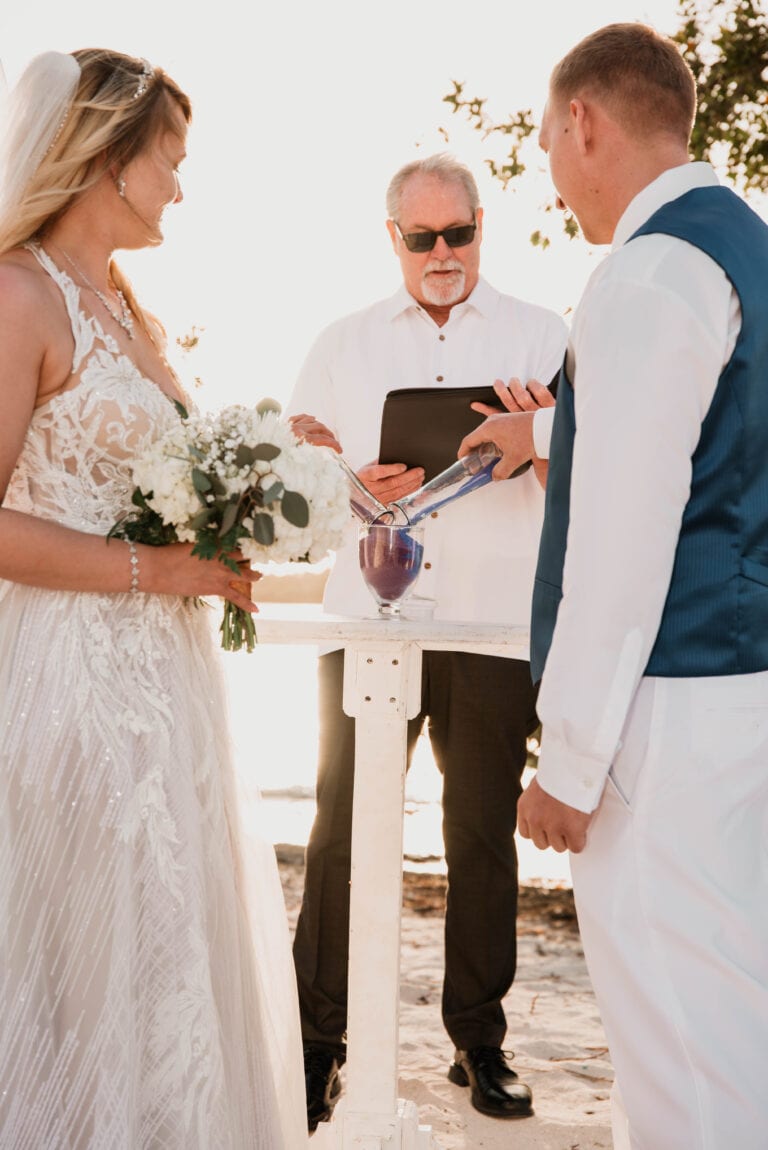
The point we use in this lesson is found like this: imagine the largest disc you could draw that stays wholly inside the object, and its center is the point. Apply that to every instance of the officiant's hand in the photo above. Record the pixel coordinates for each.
(307, 428)
(550, 823)
(512, 433)
(390, 481)
(517, 397)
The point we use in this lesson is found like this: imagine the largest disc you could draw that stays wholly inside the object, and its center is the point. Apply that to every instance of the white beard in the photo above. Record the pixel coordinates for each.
(443, 293)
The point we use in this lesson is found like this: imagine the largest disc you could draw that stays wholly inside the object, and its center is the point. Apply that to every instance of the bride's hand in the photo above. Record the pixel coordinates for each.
(174, 570)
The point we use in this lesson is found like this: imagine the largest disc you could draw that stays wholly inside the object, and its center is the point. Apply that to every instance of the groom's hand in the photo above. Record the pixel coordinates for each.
(550, 823)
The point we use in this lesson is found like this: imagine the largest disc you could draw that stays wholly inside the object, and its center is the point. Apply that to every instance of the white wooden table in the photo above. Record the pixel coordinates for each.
(382, 690)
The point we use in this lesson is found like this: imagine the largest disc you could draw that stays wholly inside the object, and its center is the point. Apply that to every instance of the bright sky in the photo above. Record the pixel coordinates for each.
(302, 112)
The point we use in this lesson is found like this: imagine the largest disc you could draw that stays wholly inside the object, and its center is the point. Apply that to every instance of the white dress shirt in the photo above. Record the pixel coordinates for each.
(656, 325)
(479, 553)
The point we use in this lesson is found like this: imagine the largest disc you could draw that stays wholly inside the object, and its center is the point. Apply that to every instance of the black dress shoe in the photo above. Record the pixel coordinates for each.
(496, 1090)
(323, 1084)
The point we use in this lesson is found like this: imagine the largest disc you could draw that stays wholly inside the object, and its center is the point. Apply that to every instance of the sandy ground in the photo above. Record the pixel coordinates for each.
(554, 1026)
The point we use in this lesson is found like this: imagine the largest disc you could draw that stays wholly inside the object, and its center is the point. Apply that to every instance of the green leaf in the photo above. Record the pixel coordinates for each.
(263, 529)
(202, 519)
(265, 451)
(295, 509)
(228, 518)
(181, 409)
(244, 456)
(273, 493)
(206, 547)
(200, 481)
(229, 562)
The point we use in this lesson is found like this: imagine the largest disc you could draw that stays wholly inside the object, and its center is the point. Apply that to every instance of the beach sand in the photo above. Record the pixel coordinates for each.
(554, 1025)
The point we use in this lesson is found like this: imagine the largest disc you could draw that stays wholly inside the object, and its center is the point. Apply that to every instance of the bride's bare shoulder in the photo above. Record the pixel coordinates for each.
(25, 287)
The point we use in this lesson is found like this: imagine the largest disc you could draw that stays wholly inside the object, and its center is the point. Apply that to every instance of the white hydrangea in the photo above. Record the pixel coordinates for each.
(211, 443)
(313, 473)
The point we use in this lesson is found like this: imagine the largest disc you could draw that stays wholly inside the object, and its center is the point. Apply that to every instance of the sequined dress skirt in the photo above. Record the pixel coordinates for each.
(146, 986)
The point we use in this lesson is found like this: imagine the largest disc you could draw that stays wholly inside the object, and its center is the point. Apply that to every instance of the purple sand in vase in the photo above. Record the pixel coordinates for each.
(390, 561)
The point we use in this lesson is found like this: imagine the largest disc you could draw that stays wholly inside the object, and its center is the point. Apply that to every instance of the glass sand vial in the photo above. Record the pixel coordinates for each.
(467, 474)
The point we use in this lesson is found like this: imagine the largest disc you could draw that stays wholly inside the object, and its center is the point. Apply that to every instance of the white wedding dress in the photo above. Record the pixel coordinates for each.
(147, 999)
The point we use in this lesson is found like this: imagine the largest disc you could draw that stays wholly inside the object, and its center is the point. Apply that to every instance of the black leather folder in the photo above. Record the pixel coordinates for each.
(423, 426)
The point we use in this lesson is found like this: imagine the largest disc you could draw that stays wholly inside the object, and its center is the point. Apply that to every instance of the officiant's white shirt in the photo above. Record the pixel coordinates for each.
(641, 392)
(480, 553)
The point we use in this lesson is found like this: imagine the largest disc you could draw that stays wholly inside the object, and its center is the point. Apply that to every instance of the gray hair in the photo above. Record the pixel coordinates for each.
(444, 167)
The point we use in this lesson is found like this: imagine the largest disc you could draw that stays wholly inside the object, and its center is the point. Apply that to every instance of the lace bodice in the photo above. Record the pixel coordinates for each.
(74, 466)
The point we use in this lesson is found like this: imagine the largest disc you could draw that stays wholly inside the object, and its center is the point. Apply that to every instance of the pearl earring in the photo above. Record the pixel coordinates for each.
(121, 187)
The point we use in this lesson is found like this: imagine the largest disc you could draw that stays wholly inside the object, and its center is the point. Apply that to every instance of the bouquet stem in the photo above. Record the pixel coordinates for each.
(237, 628)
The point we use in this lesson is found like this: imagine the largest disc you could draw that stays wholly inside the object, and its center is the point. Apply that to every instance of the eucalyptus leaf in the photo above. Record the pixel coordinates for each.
(265, 451)
(201, 519)
(200, 481)
(228, 518)
(244, 456)
(295, 509)
(263, 529)
(273, 493)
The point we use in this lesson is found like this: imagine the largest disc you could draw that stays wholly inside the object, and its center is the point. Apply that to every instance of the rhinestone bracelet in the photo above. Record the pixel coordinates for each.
(134, 567)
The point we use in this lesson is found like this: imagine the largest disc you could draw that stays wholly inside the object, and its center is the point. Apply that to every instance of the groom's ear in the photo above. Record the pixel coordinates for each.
(581, 125)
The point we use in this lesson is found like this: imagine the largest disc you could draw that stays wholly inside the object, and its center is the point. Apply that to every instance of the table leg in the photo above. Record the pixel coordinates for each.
(382, 689)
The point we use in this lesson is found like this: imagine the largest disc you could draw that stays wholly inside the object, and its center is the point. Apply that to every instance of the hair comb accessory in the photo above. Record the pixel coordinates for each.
(146, 74)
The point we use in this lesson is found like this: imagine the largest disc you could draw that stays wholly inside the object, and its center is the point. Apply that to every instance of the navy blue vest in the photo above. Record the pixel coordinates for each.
(715, 619)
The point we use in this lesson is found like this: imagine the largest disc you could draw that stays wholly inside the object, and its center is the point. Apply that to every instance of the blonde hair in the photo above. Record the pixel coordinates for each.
(639, 76)
(119, 108)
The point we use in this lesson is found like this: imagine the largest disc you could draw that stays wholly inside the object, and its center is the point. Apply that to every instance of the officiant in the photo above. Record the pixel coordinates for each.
(444, 327)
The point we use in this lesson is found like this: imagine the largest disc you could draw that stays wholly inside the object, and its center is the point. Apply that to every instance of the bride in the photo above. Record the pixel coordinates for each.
(146, 985)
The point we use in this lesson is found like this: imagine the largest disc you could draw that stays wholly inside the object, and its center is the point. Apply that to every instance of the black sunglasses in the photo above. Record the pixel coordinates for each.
(457, 237)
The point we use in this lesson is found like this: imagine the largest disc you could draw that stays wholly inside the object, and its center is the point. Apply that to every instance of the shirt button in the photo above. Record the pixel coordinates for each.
(441, 336)
(433, 515)
(427, 566)
(439, 378)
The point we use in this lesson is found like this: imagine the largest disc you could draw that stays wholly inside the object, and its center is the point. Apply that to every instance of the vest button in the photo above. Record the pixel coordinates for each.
(439, 378)
(427, 566)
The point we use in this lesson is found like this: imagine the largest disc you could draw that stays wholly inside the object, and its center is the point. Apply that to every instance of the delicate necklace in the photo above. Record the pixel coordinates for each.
(125, 320)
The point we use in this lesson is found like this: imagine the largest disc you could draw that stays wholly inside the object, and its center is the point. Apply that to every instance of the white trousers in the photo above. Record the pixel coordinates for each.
(672, 897)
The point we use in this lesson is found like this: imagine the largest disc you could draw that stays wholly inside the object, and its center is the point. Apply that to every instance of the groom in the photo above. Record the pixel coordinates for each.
(653, 624)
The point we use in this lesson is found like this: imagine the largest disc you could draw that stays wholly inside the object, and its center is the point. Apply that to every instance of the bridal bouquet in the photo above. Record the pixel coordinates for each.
(237, 481)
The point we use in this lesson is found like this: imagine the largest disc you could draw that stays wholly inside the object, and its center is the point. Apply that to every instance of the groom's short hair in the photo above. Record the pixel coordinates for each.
(638, 75)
